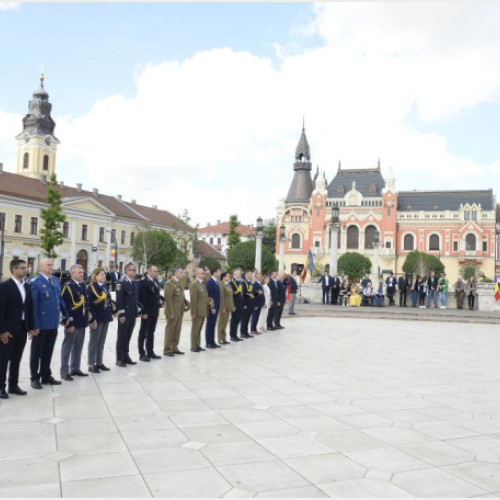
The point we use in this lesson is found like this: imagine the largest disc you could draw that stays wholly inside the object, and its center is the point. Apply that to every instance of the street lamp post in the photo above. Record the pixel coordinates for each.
(334, 238)
(258, 244)
(376, 245)
(114, 247)
(281, 266)
(2, 245)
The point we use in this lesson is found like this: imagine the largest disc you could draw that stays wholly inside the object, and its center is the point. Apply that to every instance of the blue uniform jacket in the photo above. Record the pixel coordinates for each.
(238, 298)
(100, 304)
(127, 299)
(258, 291)
(75, 298)
(47, 303)
(214, 292)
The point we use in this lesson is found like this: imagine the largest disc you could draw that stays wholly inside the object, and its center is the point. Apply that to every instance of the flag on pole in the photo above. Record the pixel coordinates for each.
(113, 251)
(308, 266)
(497, 289)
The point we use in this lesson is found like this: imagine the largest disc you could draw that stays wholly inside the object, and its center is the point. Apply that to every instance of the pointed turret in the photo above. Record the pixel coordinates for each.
(38, 120)
(302, 185)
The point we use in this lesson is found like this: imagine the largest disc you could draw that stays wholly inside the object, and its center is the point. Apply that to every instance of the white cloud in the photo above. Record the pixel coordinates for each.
(9, 5)
(216, 133)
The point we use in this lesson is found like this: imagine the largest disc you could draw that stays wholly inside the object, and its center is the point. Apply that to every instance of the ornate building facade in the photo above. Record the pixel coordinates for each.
(93, 220)
(458, 227)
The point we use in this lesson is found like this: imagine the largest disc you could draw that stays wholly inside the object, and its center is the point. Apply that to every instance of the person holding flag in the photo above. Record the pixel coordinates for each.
(309, 265)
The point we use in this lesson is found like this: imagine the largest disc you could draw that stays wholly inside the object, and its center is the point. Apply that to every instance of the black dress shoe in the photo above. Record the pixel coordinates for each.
(79, 373)
(154, 356)
(103, 367)
(121, 363)
(201, 349)
(225, 342)
(145, 358)
(280, 327)
(130, 362)
(196, 349)
(68, 378)
(3, 394)
(211, 346)
(271, 328)
(94, 369)
(17, 390)
(236, 339)
(51, 381)
(35, 384)
(170, 354)
(180, 352)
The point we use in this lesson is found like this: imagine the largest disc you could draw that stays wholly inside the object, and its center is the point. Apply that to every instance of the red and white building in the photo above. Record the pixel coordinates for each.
(217, 234)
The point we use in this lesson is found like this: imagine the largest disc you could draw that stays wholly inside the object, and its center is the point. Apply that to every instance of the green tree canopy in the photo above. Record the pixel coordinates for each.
(210, 262)
(269, 237)
(243, 255)
(157, 247)
(233, 238)
(354, 265)
(422, 263)
(51, 235)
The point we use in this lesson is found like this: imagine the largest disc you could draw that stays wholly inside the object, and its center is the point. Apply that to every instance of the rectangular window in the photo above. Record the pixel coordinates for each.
(113, 235)
(84, 231)
(34, 225)
(211, 241)
(31, 265)
(63, 264)
(485, 246)
(219, 241)
(132, 237)
(101, 234)
(388, 244)
(18, 223)
(122, 238)
(317, 243)
(455, 246)
(65, 229)
(99, 263)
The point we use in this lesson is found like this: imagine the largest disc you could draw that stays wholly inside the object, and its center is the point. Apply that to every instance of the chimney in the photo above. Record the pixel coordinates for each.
(133, 202)
(61, 183)
(208, 223)
(78, 187)
(95, 191)
(119, 196)
(155, 206)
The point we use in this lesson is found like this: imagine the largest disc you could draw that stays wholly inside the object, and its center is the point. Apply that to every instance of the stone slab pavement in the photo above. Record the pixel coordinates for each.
(339, 407)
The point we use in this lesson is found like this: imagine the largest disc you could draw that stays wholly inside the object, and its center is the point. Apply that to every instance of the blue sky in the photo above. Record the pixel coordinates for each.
(200, 105)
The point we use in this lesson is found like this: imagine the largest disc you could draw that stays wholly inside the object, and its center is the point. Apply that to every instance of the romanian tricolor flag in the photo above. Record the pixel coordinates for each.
(113, 251)
(497, 289)
(309, 265)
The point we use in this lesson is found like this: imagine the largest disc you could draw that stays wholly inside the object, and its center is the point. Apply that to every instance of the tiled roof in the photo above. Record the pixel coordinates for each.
(369, 182)
(203, 249)
(444, 200)
(223, 228)
(32, 189)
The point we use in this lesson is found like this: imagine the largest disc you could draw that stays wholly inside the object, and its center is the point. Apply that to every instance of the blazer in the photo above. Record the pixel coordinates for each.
(281, 292)
(260, 299)
(324, 284)
(293, 285)
(150, 297)
(100, 303)
(47, 303)
(75, 297)
(213, 292)
(12, 308)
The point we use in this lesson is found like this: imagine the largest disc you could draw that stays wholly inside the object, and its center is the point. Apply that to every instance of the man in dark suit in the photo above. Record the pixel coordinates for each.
(259, 301)
(403, 289)
(335, 289)
(248, 297)
(281, 301)
(213, 290)
(127, 302)
(390, 287)
(16, 320)
(326, 286)
(114, 277)
(239, 302)
(151, 301)
(273, 288)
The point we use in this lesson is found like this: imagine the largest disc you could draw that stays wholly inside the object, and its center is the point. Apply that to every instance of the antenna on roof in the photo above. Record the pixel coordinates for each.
(339, 166)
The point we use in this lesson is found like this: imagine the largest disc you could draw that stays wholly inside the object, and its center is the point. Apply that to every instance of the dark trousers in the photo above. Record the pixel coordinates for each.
(11, 354)
(390, 295)
(326, 295)
(123, 339)
(147, 334)
(335, 296)
(470, 299)
(42, 347)
(277, 316)
(271, 315)
(235, 320)
(245, 318)
(210, 328)
(255, 318)
(402, 298)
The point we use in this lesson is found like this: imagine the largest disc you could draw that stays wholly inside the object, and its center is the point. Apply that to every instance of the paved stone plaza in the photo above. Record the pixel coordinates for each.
(327, 407)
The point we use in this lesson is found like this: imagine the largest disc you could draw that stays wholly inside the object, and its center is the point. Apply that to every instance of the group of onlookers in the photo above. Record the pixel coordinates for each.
(423, 291)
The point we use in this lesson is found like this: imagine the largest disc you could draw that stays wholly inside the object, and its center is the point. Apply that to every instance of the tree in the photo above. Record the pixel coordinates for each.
(183, 238)
(233, 238)
(51, 235)
(469, 270)
(209, 262)
(243, 255)
(422, 263)
(354, 265)
(269, 237)
(156, 247)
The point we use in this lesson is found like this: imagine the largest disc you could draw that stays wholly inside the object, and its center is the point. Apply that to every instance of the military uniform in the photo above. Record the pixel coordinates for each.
(151, 300)
(226, 306)
(76, 300)
(199, 309)
(127, 302)
(175, 304)
(239, 301)
(248, 297)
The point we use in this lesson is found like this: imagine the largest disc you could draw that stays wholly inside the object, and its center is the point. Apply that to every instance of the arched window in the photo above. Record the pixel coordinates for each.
(82, 258)
(295, 240)
(434, 242)
(470, 243)
(352, 237)
(46, 162)
(370, 236)
(408, 242)
(26, 160)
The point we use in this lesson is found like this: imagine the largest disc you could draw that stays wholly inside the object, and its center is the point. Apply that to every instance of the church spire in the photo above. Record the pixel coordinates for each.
(38, 120)
(302, 184)
(302, 151)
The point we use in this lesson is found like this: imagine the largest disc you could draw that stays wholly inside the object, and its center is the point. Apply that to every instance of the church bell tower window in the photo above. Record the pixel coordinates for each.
(46, 162)
(26, 160)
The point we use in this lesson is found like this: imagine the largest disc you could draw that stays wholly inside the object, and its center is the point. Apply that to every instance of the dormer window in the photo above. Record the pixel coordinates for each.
(372, 188)
(340, 190)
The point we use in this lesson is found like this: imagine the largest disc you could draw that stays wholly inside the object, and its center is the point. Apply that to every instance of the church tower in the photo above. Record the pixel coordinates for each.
(302, 185)
(37, 144)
